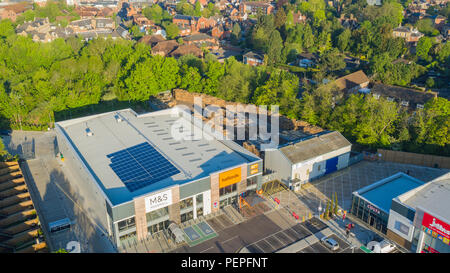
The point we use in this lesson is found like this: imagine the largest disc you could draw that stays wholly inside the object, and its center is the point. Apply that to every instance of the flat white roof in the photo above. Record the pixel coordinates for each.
(194, 159)
(434, 197)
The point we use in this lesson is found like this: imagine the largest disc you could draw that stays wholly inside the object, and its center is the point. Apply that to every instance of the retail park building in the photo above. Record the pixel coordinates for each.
(144, 178)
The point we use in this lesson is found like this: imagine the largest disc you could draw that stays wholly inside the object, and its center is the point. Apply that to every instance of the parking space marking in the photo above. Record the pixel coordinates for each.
(274, 243)
(255, 247)
(206, 249)
(232, 238)
(265, 246)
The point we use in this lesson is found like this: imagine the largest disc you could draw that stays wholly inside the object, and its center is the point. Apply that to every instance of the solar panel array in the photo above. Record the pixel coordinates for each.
(140, 166)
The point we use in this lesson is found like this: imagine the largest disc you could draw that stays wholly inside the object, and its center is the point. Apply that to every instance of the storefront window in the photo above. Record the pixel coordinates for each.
(154, 215)
(126, 224)
(186, 203)
(187, 216)
(199, 200)
(227, 190)
(199, 212)
(251, 181)
(128, 236)
(158, 227)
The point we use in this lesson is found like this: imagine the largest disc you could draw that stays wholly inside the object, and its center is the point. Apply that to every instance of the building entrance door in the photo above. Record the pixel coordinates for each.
(371, 221)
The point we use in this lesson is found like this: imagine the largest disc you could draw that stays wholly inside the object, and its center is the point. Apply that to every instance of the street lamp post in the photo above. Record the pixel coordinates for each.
(320, 207)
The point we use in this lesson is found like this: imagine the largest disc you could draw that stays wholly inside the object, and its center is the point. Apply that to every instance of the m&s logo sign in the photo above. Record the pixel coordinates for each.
(158, 200)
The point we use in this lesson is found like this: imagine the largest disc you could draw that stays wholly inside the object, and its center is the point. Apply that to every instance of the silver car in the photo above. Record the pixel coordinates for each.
(330, 243)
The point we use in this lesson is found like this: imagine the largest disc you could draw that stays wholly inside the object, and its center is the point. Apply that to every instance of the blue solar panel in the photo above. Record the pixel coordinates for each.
(140, 166)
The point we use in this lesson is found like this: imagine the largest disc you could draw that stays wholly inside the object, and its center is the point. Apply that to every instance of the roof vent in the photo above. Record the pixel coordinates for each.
(118, 118)
(89, 132)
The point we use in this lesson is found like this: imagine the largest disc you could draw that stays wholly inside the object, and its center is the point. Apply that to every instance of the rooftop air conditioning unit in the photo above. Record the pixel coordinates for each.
(118, 118)
(89, 132)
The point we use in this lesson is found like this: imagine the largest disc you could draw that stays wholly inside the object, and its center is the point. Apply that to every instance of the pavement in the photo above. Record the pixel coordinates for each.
(52, 191)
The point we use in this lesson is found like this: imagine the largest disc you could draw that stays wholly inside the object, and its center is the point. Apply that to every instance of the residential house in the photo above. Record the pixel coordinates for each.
(307, 59)
(103, 23)
(86, 11)
(407, 97)
(349, 21)
(299, 17)
(253, 58)
(253, 7)
(186, 49)
(81, 25)
(143, 23)
(353, 82)
(14, 10)
(439, 21)
(39, 25)
(222, 4)
(411, 35)
(185, 30)
(220, 32)
(202, 40)
(374, 2)
(40, 30)
(105, 12)
(163, 48)
(351, 63)
(195, 24)
(202, 2)
(152, 40)
(446, 31)
(122, 32)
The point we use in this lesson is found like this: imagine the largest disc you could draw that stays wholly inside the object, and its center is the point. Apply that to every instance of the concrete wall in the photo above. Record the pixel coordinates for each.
(88, 193)
(316, 167)
(275, 161)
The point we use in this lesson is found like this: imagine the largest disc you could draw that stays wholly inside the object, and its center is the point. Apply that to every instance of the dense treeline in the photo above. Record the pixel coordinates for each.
(39, 79)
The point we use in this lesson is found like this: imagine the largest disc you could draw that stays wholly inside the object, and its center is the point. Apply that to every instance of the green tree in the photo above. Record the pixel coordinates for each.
(6, 28)
(308, 38)
(423, 47)
(426, 27)
(343, 40)
(275, 47)
(289, 20)
(154, 13)
(429, 82)
(280, 18)
(136, 32)
(198, 9)
(236, 33)
(443, 53)
(172, 31)
(332, 61)
(432, 124)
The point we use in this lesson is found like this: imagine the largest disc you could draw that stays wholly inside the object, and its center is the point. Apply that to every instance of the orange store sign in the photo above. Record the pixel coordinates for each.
(229, 177)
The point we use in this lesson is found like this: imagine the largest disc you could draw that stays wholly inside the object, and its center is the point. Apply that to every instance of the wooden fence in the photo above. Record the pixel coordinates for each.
(433, 161)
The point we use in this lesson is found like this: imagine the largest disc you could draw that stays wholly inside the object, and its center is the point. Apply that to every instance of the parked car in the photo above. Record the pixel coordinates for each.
(381, 247)
(330, 243)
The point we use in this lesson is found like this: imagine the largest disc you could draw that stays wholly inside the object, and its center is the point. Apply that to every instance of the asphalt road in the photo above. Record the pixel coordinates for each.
(233, 238)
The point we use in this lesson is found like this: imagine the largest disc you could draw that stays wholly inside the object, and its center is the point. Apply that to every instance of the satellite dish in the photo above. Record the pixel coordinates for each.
(374, 246)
